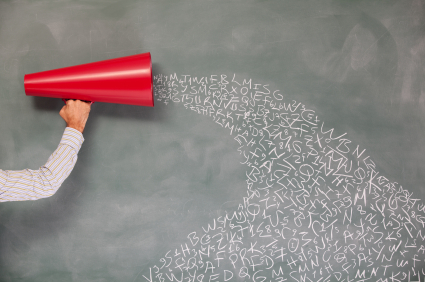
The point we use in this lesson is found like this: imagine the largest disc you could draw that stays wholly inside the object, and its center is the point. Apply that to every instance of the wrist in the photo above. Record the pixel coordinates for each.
(76, 126)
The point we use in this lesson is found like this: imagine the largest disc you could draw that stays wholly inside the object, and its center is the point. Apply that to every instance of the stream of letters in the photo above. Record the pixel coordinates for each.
(316, 207)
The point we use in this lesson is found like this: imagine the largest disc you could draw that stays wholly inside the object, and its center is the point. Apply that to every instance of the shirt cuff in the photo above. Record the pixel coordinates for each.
(73, 138)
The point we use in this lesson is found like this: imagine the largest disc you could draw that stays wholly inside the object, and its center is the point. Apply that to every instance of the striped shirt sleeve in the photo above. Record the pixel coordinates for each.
(27, 184)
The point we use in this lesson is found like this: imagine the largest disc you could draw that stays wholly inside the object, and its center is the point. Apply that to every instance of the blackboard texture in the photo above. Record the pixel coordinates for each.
(287, 142)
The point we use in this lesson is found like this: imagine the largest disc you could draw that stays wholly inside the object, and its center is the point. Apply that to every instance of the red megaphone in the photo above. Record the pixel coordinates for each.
(126, 80)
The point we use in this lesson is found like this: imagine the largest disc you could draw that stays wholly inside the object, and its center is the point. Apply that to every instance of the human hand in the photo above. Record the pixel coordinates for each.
(75, 113)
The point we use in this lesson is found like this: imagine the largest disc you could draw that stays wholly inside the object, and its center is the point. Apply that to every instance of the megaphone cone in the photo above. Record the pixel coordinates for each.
(126, 80)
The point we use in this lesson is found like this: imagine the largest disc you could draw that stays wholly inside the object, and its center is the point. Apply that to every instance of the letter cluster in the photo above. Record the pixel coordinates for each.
(316, 207)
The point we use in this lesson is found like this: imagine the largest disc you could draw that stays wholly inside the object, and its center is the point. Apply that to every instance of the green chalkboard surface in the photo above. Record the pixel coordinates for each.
(287, 142)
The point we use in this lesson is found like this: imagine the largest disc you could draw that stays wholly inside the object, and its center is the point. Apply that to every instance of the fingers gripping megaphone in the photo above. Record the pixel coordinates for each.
(125, 80)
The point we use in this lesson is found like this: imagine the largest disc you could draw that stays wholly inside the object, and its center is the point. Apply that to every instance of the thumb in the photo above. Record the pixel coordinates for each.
(62, 112)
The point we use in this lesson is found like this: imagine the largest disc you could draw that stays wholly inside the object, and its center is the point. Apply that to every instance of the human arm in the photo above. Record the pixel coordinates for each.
(30, 184)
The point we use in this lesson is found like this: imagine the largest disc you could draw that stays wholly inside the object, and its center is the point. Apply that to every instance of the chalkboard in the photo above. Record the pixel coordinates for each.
(286, 143)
